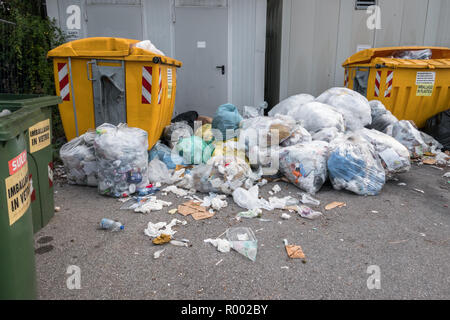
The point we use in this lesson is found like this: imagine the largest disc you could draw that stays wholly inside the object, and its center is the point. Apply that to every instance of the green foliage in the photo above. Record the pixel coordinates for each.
(24, 45)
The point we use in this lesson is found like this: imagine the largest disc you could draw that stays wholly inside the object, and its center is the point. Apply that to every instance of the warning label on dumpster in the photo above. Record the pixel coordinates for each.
(169, 83)
(18, 194)
(39, 135)
(425, 83)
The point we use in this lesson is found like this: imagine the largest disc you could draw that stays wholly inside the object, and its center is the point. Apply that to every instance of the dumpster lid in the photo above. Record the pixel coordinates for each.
(108, 48)
(18, 121)
(440, 57)
(26, 100)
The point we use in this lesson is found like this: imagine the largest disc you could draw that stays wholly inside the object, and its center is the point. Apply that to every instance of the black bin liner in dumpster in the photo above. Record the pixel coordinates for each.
(439, 128)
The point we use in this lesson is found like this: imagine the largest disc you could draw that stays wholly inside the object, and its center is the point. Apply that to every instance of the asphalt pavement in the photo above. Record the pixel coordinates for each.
(403, 232)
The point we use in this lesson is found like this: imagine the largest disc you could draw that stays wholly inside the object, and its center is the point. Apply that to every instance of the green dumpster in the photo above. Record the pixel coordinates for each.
(40, 156)
(17, 266)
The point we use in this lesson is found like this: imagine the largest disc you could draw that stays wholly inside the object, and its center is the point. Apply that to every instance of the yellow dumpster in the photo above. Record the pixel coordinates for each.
(411, 89)
(111, 80)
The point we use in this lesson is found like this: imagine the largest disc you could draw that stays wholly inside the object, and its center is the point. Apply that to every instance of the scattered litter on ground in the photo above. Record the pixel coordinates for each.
(374, 211)
(177, 191)
(244, 241)
(276, 188)
(308, 199)
(293, 251)
(249, 199)
(285, 267)
(158, 253)
(418, 190)
(334, 205)
(154, 230)
(161, 239)
(285, 216)
(222, 245)
(215, 201)
(402, 184)
(253, 213)
(173, 211)
(111, 225)
(152, 204)
(195, 209)
(219, 262)
(305, 212)
(179, 243)
(57, 209)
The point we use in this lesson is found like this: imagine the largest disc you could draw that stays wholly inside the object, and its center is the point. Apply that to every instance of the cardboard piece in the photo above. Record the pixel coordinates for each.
(195, 209)
(335, 204)
(294, 252)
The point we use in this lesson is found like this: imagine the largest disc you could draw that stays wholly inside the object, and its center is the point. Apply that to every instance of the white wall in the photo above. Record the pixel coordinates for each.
(247, 36)
(319, 35)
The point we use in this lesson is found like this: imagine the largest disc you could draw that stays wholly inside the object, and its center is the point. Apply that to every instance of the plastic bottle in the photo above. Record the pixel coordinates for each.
(108, 224)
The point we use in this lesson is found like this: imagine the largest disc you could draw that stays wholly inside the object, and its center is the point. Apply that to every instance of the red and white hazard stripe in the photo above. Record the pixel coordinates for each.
(389, 81)
(377, 83)
(147, 85)
(63, 76)
(160, 88)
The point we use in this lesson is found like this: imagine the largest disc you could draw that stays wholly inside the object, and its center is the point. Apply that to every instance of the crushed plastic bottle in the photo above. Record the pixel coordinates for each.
(111, 225)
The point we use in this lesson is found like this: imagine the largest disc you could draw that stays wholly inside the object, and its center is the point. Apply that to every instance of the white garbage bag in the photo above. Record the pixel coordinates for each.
(299, 135)
(305, 165)
(78, 156)
(354, 165)
(405, 133)
(393, 155)
(122, 159)
(353, 106)
(292, 102)
(149, 46)
(381, 118)
(315, 116)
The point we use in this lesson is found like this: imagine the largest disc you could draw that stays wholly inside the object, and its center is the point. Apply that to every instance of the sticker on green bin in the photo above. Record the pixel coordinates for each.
(17, 188)
(39, 135)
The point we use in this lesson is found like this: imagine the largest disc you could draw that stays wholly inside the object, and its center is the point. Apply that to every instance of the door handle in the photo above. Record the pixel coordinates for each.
(221, 67)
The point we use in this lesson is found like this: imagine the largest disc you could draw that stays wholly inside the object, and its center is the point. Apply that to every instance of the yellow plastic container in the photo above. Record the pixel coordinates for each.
(111, 80)
(411, 89)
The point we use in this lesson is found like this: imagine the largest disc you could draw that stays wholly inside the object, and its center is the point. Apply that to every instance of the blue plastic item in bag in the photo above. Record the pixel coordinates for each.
(163, 152)
(227, 118)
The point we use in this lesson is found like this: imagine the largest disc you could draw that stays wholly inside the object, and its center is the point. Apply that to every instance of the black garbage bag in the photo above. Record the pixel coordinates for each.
(189, 117)
(438, 127)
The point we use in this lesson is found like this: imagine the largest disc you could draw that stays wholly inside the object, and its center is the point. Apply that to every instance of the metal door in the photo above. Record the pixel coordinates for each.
(108, 82)
(201, 43)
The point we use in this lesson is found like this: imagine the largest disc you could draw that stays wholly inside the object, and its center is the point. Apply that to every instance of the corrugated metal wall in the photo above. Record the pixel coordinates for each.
(319, 35)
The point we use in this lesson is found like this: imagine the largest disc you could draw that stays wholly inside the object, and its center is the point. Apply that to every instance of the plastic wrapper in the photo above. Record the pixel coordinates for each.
(424, 54)
(227, 119)
(298, 135)
(305, 165)
(244, 241)
(265, 159)
(220, 175)
(393, 155)
(290, 103)
(122, 159)
(205, 132)
(78, 156)
(405, 133)
(315, 116)
(229, 148)
(266, 131)
(149, 46)
(157, 171)
(327, 134)
(170, 158)
(353, 165)
(194, 150)
(175, 132)
(381, 118)
(253, 112)
(353, 106)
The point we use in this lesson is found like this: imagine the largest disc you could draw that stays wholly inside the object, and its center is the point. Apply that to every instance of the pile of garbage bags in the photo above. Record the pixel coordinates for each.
(340, 136)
